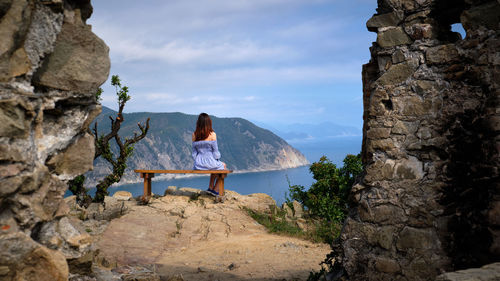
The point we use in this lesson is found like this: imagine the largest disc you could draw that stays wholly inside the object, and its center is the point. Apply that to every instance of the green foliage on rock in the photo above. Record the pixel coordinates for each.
(98, 95)
(76, 187)
(327, 198)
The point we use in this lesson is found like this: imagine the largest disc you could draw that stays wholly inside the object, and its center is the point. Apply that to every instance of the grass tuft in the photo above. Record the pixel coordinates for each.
(277, 222)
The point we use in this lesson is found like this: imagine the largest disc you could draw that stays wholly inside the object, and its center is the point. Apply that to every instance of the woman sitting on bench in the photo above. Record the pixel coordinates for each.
(206, 154)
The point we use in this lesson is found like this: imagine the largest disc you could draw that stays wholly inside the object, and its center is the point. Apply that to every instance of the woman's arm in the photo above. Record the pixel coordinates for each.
(194, 151)
(215, 150)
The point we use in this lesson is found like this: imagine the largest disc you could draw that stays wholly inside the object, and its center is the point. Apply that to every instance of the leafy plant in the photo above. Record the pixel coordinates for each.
(76, 187)
(331, 269)
(327, 198)
(103, 148)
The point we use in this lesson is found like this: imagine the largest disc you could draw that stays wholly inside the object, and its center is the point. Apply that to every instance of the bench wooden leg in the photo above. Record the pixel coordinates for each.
(220, 183)
(147, 186)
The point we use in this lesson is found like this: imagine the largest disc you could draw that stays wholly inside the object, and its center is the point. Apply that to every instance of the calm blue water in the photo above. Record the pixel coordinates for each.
(273, 183)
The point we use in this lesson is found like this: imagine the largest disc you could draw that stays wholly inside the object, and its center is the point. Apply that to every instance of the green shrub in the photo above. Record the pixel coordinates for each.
(327, 198)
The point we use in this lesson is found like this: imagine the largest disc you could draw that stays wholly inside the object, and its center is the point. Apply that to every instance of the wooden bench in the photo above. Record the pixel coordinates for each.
(147, 175)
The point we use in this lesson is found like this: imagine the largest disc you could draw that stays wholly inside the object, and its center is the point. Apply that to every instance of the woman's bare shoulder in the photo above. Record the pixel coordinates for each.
(212, 136)
(193, 137)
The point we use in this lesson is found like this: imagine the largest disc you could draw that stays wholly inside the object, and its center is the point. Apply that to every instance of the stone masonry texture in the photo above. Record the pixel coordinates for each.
(51, 65)
(429, 200)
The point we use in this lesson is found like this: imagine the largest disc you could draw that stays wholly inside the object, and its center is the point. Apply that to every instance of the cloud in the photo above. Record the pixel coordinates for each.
(240, 80)
(182, 99)
(180, 52)
(178, 17)
(291, 74)
(249, 98)
(257, 59)
(315, 28)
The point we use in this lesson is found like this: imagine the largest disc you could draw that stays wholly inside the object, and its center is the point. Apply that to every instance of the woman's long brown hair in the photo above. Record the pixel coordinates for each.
(203, 127)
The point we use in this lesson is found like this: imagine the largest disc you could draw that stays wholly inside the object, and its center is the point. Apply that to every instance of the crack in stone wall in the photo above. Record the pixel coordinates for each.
(429, 200)
(51, 65)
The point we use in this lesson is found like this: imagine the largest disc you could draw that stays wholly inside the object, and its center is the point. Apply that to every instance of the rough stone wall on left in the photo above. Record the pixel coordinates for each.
(51, 65)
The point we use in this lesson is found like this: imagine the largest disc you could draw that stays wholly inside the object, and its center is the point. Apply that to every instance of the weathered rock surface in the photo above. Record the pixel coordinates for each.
(428, 202)
(490, 272)
(78, 63)
(24, 259)
(186, 233)
(42, 131)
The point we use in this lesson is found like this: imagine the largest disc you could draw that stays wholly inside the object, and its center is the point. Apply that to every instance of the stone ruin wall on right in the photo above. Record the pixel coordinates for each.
(429, 201)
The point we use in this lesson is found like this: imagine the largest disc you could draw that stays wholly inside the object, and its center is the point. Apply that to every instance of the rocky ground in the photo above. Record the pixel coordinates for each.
(185, 235)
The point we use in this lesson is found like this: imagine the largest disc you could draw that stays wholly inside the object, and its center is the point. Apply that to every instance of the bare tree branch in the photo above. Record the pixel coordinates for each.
(136, 138)
(103, 148)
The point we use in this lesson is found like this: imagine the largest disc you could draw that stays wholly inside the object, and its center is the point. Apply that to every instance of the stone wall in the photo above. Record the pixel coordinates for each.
(51, 65)
(429, 200)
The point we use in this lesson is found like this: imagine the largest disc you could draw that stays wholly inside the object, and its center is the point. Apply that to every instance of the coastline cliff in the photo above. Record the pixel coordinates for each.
(244, 146)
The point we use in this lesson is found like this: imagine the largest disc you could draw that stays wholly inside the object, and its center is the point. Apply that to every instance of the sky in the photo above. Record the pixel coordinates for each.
(269, 61)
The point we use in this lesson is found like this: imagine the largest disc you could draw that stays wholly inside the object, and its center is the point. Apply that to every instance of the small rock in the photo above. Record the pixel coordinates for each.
(202, 269)
(301, 223)
(398, 57)
(287, 209)
(386, 265)
(170, 190)
(183, 191)
(94, 211)
(122, 195)
(396, 74)
(13, 119)
(103, 274)
(233, 266)
(490, 272)
(113, 208)
(298, 210)
(393, 37)
(384, 20)
(82, 265)
(442, 54)
(73, 233)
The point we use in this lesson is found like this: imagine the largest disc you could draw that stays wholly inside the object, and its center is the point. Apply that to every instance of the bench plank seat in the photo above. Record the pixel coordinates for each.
(184, 171)
(147, 175)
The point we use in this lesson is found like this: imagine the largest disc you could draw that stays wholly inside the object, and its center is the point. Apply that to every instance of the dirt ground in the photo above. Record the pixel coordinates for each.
(203, 240)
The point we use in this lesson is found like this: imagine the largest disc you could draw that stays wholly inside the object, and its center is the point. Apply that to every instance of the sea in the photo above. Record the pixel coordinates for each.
(274, 183)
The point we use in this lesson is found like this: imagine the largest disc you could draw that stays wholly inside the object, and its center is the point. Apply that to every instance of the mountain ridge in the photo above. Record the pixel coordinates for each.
(244, 146)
